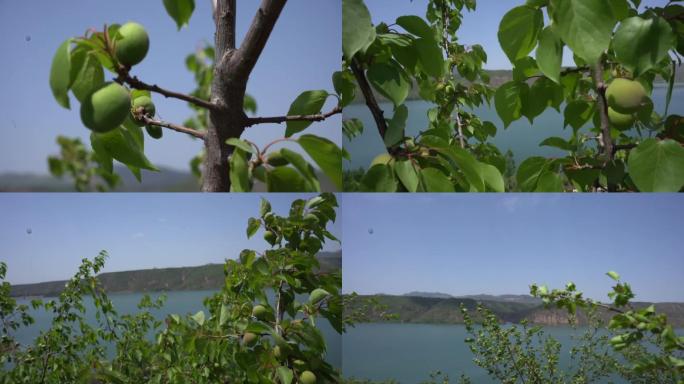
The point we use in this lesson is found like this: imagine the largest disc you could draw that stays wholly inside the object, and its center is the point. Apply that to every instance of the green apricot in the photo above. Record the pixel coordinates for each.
(276, 159)
(146, 104)
(620, 120)
(133, 44)
(317, 295)
(384, 158)
(260, 312)
(307, 377)
(154, 131)
(105, 108)
(270, 237)
(278, 353)
(249, 339)
(625, 96)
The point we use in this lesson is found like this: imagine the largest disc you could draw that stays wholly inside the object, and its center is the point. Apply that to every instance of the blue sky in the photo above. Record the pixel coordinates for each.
(479, 27)
(303, 52)
(138, 230)
(496, 244)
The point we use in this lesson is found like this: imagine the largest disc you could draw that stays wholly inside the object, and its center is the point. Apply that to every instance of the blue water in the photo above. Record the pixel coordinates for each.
(521, 137)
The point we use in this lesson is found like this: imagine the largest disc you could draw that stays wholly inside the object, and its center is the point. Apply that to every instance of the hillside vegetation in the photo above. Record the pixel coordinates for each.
(210, 276)
(434, 310)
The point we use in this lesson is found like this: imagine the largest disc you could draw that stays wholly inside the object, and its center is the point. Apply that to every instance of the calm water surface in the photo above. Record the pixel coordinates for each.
(521, 137)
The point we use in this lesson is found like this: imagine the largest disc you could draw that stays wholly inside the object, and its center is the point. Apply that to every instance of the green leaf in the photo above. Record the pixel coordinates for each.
(407, 174)
(253, 225)
(249, 104)
(640, 44)
(121, 145)
(224, 315)
(492, 177)
(435, 181)
(390, 81)
(239, 171)
(89, 78)
(577, 113)
(326, 154)
(529, 172)
(345, 86)
(199, 318)
(549, 182)
(550, 54)
(557, 142)
(60, 74)
(657, 166)
(357, 28)
(620, 9)
(303, 167)
(285, 375)
(613, 275)
(508, 101)
(396, 126)
(307, 103)
(518, 31)
(429, 56)
(467, 163)
(352, 128)
(245, 146)
(379, 178)
(180, 10)
(416, 26)
(586, 26)
(285, 179)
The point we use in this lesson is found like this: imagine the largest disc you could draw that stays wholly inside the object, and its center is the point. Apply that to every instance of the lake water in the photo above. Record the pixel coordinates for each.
(409, 352)
(182, 302)
(521, 137)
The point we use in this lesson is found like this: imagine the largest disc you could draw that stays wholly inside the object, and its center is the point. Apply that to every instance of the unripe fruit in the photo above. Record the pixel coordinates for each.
(384, 159)
(147, 106)
(620, 120)
(105, 108)
(270, 237)
(132, 45)
(276, 159)
(317, 295)
(154, 131)
(625, 96)
(410, 144)
(278, 353)
(307, 377)
(249, 339)
(260, 312)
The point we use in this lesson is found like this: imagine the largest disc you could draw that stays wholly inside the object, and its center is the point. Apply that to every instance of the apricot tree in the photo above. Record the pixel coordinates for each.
(115, 110)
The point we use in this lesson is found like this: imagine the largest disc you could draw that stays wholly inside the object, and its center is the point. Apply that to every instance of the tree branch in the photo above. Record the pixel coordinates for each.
(281, 119)
(606, 141)
(259, 31)
(177, 128)
(566, 71)
(378, 114)
(136, 83)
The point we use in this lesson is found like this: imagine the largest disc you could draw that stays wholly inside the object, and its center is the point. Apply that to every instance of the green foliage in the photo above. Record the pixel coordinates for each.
(612, 43)
(649, 349)
(88, 171)
(228, 341)
(180, 11)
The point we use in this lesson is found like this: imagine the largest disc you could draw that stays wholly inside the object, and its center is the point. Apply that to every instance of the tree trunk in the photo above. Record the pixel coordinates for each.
(232, 67)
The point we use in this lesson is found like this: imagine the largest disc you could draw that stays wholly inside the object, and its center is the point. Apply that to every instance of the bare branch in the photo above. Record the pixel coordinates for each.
(134, 82)
(378, 114)
(257, 36)
(177, 128)
(281, 119)
(606, 141)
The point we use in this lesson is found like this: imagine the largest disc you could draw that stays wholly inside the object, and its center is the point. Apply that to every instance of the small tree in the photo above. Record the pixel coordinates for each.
(222, 72)
(618, 51)
(260, 327)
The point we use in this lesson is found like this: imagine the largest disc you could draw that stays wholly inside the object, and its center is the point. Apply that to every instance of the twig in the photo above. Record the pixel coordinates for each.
(602, 104)
(281, 119)
(177, 128)
(378, 114)
(136, 83)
